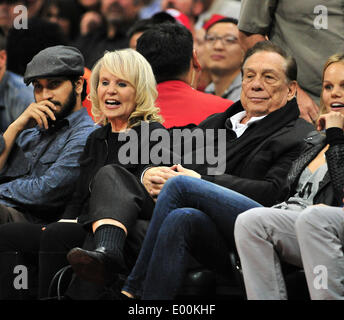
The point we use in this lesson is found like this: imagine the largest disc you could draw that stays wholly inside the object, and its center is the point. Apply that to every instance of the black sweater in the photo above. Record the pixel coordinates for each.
(96, 155)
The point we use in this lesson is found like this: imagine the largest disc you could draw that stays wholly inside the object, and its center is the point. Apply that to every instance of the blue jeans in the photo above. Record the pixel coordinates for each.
(168, 238)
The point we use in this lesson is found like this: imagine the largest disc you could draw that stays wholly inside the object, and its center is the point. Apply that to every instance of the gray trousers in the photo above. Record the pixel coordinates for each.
(312, 239)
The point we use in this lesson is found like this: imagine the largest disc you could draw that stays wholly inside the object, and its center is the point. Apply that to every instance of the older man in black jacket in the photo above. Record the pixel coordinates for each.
(264, 134)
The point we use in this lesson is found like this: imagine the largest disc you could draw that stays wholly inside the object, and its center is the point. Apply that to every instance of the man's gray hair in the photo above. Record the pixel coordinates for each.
(291, 66)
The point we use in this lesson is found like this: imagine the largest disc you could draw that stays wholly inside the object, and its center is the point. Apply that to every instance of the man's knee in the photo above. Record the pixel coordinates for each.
(250, 220)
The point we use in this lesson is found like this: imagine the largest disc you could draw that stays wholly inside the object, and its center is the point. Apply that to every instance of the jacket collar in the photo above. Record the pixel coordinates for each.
(291, 109)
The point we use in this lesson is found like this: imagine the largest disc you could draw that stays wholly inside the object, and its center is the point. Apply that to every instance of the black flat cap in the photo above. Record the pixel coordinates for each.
(55, 61)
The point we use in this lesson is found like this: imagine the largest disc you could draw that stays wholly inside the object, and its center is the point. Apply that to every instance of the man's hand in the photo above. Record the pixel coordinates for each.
(36, 113)
(155, 178)
(332, 119)
(309, 110)
(187, 172)
(248, 40)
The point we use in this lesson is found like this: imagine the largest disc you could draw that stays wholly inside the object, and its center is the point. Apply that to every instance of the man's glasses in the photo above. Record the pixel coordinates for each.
(226, 40)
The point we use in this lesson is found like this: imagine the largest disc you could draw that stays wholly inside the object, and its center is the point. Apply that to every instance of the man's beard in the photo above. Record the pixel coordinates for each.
(115, 18)
(67, 108)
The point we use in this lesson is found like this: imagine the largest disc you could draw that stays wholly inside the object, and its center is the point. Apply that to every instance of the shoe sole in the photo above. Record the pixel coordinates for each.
(86, 267)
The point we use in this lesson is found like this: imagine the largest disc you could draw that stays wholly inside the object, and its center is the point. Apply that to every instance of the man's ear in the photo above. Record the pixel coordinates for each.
(79, 85)
(292, 87)
(196, 70)
(195, 62)
(3, 58)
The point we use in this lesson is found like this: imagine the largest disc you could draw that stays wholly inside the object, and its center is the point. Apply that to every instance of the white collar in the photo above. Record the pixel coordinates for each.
(239, 128)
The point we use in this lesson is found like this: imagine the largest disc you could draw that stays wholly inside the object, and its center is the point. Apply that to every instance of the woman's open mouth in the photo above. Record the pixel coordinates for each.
(112, 103)
(337, 105)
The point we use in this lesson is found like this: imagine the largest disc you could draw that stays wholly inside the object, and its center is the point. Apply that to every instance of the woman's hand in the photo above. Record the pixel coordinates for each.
(332, 119)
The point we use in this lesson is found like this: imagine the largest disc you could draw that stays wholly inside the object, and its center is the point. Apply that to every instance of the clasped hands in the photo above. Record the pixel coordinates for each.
(155, 178)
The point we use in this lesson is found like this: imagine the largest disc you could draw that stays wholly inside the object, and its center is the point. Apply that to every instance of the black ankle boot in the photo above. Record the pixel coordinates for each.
(104, 263)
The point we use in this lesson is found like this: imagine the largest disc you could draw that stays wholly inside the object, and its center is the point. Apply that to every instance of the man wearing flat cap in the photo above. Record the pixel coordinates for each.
(39, 151)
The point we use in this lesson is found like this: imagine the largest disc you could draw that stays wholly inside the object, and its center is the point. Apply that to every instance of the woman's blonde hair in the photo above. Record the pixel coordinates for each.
(337, 57)
(131, 66)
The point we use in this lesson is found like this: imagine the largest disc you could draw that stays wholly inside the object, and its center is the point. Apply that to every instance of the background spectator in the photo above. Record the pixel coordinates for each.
(65, 13)
(119, 16)
(169, 49)
(7, 14)
(223, 56)
(15, 96)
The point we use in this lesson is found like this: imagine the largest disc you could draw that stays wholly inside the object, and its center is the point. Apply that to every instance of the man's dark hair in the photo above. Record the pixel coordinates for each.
(168, 48)
(224, 20)
(73, 80)
(24, 44)
(139, 26)
(146, 24)
(291, 66)
(161, 17)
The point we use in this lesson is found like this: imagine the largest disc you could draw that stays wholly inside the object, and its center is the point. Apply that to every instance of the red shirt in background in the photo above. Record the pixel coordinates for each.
(180, 104)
